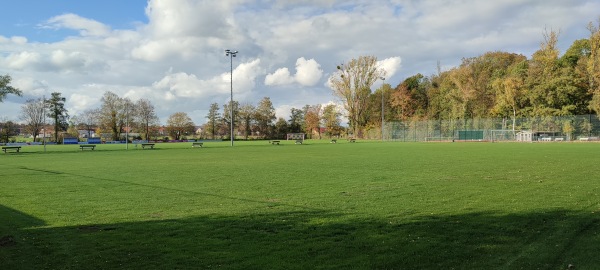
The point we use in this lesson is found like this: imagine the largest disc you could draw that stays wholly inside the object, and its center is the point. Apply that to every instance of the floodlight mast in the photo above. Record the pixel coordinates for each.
(382, 108)
(231, 55)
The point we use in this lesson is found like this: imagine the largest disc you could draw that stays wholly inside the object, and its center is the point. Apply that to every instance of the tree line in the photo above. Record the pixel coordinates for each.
(260, 121)
(495, 84)
(117, 116)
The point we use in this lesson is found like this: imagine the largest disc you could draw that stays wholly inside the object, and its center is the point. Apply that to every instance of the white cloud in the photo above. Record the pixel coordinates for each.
(188, 85)
(308, 73)
(281, 76)
(72, 60)
(85, 26)
(31, 87)
(23, 60)
(390, 65)
(80, 103)
(297, 42)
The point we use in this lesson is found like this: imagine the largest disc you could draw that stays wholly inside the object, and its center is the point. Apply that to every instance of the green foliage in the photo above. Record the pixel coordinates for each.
(415, 206)
(213, 119)
(8, 130)
(180, 125)
(265, 117)
(58, 113)
(352, 84)
(508, 85)
(6, 88)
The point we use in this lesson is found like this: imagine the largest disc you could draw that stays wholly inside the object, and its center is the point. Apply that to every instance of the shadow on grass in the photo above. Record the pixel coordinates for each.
(309, 240)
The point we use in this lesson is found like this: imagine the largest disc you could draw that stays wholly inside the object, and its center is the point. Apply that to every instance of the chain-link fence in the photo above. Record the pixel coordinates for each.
(551, 128)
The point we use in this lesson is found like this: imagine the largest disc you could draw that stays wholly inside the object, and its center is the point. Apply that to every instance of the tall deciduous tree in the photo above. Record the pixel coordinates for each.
(179, 124)
(213, 119)
(33, 113)
(510, 92)
(352, 84)
(58, 113)
(265, 116)
(331, 120)
(112, 112)
(227, 117)
(8, 129)
(6, 88)
(410, 97)
(88, 120)
(281, 128)
(145, 116)
(543, 95)
(312, 120)
(296, 120)
(246, 117)
(593, 66)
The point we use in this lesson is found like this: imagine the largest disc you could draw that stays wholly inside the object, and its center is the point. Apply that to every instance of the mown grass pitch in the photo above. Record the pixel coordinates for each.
(364, 205)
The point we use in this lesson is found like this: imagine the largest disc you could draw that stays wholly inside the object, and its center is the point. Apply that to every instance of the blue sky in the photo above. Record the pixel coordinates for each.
(173, 55)
(20, 19)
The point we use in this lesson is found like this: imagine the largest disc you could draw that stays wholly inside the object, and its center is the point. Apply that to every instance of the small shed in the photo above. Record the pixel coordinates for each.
(525, 136)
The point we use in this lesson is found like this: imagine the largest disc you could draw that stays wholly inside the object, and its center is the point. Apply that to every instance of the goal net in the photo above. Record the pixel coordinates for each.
(500, 135)
(295, 136)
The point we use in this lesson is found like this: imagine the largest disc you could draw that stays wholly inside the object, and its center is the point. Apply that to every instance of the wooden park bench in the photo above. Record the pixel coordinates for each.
(144, 145)
(274, 142)
(88, 146)
(14, 148)
(197, 144)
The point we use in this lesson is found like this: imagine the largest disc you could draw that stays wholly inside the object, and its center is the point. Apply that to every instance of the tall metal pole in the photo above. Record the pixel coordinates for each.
(44, 133)
(382, 108)
(231, 55)
(126, 126)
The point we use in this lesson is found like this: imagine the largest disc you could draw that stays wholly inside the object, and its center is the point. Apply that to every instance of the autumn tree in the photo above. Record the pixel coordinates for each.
(6, 88)
(510, 92)
(410, 97)
(312, 120)
(179, 124)
(33, 114)
(352, 84)
(378, 101)
(551, 88)
(593, 66)
(58, 113)
(331, 120)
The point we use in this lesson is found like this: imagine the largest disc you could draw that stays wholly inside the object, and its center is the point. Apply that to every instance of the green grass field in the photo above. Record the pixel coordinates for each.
(364, 205)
